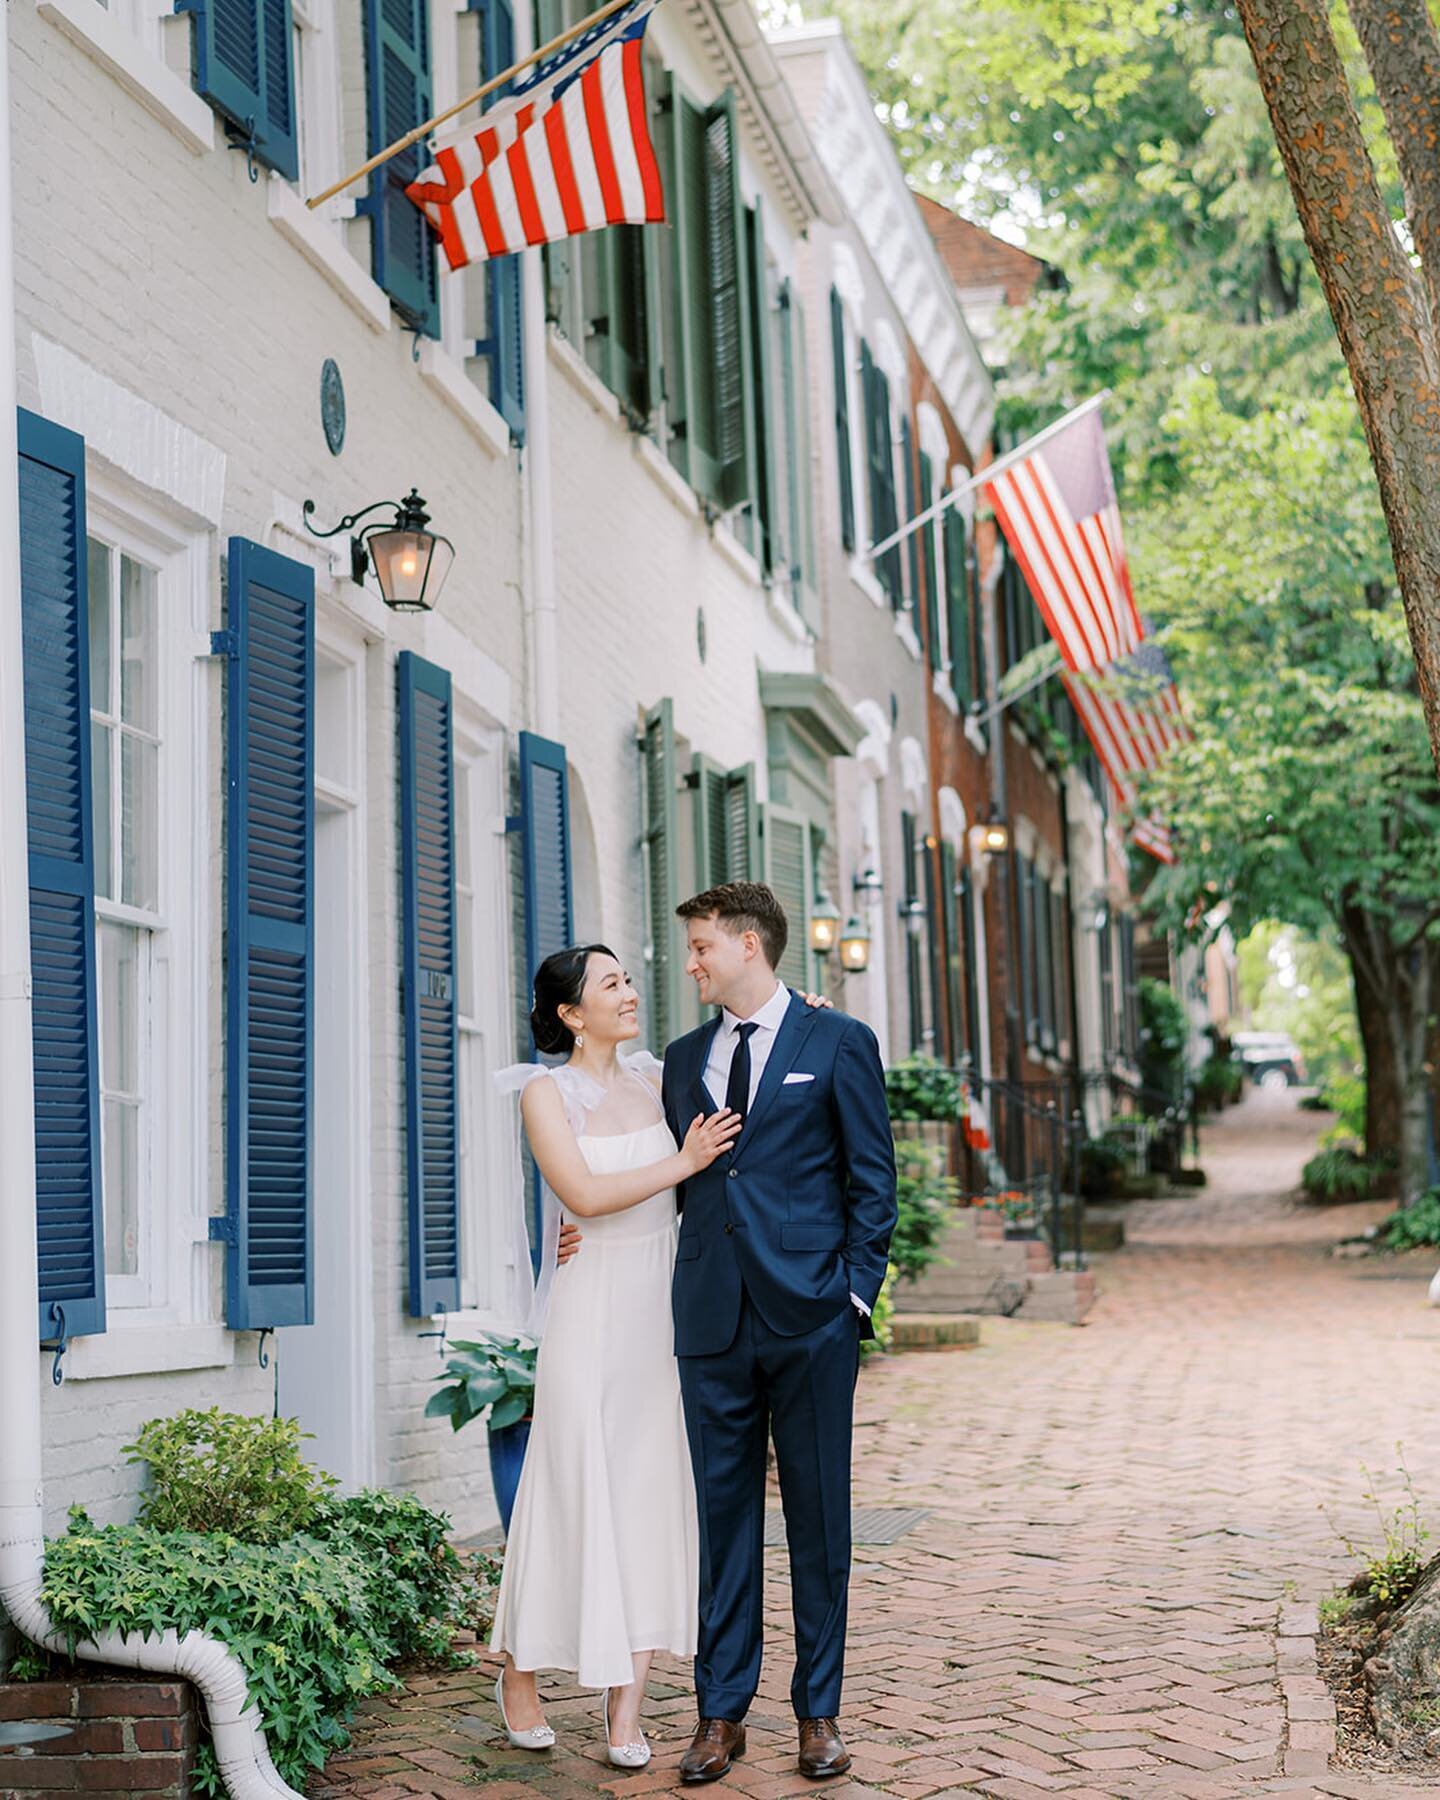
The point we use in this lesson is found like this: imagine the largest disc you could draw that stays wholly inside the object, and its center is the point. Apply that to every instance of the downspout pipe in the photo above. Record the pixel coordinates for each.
(235, 1726)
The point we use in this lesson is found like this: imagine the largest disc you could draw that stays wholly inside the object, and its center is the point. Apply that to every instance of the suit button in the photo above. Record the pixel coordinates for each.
(734, 1173)
(728, 1230)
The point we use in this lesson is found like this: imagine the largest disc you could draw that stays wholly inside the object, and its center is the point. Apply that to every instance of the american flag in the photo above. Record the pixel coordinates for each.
(1058, 511)
(1132, 715)
(567, 150)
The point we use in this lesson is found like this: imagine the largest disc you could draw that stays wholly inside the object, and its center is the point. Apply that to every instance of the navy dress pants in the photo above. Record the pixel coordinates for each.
(801, 1391)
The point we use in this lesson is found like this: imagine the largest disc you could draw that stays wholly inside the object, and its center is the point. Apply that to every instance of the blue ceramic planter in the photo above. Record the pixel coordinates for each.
(507, 1458)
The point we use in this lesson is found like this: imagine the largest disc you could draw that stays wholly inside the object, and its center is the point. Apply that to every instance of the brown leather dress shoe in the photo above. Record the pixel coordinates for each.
(822, 1750)
(717, 1742)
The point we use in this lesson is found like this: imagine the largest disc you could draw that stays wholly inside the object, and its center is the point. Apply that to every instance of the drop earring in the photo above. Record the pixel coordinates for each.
(579, 1040)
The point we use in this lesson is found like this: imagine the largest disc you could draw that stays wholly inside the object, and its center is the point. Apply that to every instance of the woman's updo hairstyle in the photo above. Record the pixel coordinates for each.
(560, 981)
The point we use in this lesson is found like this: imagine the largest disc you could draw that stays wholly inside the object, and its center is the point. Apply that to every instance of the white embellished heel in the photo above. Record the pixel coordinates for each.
(623, 1756)
(534, 1737)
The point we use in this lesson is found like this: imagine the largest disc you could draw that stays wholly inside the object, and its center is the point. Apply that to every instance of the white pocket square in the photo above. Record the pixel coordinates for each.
(795, 1080)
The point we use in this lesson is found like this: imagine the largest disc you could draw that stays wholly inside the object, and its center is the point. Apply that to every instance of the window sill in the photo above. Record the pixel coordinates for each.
(165, 95)
(440, 371)
(905, 631)
(471, 1322)
(582, 377)
(658, 466)
(786, 614)
(944, 692)
(148, 1350)
(863, 577)
(324, 249)
(736, 554)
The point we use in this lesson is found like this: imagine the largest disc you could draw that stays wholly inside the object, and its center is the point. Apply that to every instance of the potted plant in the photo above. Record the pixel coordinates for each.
(494, 1376)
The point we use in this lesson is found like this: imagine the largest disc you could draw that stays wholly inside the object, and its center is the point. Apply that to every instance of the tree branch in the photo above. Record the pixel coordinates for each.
(1374, 297)
(1402, 48)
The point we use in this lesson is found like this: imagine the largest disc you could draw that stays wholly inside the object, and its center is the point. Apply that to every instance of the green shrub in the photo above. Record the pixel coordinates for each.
(230, 1472)
(1102, 1160)
(493, 1376)
(315, 1620)
(1164, 1034)
(924, 1194)
(1338, 1173)
(1345, 1095)
(1219, 1081)
(1414, 1225)
(920, 1088)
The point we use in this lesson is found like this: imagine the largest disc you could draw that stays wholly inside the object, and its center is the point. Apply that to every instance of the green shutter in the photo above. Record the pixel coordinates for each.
(957, 596)
(712, 256)
(763, 517)
(839, 371)
(913, 973)
(788, 861)
(726, 823)
(807, 597)
(912, 543)
(955, 949)
(880, 468)
(662, 845)
(931, 567)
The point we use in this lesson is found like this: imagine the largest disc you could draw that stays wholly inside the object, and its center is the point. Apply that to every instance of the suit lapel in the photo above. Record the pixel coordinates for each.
(793, 1028)
(699, 1093)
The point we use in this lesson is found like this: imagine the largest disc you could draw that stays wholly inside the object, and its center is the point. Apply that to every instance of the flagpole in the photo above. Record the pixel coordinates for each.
(988, 473)
(487, 87)
(1008, 700)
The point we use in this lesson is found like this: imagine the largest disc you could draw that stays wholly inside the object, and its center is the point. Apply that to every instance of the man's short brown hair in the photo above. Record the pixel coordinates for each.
(742, 906)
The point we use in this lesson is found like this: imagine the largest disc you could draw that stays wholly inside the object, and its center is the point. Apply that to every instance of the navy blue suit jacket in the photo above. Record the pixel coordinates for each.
(801, 1210)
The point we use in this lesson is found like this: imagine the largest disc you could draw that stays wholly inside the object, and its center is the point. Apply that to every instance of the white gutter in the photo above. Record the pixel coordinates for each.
(239, 1741)
(541, 608)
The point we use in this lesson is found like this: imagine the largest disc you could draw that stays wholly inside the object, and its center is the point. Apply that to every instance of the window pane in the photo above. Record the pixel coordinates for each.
(137, 645)
(100, 736)
(98, 579)
(138, 808)
(119, 1008)
(120, 1137)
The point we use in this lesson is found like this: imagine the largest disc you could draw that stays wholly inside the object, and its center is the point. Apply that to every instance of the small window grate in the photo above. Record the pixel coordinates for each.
(868, 1524)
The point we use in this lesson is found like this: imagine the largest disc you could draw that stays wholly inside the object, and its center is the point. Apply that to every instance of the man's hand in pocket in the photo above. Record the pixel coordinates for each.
(571, 1237)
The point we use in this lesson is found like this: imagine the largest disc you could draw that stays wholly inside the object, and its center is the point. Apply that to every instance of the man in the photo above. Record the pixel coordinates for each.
(782, 1252)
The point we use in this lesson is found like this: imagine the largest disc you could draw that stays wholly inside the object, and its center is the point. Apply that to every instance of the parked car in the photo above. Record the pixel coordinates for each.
(1269, 1058)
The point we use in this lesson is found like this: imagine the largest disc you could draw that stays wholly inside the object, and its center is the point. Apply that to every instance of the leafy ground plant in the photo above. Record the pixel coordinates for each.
(924, 1195)
(1338, 1173)
(229, 1472)
(492, 1377)
(1391, 1568)
(1414, 1225)
(316, 1620)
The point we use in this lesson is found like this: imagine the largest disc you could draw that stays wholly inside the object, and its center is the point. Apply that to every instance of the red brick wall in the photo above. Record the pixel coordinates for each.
(125, 1737)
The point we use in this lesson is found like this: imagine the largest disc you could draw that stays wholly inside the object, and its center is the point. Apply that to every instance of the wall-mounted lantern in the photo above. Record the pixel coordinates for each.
(855, 946)
(824, 924)
(410, 561)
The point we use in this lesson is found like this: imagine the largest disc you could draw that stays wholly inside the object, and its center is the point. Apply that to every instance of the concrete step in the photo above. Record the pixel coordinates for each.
(1064, 1296)
(934, 1331)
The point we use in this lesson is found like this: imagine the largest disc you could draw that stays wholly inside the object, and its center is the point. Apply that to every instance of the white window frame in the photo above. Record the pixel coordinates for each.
(172, 1286)
(486, 1033)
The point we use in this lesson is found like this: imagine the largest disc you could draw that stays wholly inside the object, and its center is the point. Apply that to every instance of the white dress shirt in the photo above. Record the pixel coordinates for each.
(767, 1021)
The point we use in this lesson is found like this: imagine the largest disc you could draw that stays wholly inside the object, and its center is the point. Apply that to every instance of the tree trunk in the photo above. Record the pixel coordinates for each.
(1404, 1668)
(1395, 993)
(1375, 299)
(1402, 48)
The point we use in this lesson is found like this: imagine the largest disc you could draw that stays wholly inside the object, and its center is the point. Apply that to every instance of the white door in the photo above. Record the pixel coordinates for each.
(325, 1368)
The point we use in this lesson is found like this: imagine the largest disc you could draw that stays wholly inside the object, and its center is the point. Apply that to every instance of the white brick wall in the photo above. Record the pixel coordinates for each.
(160, 269)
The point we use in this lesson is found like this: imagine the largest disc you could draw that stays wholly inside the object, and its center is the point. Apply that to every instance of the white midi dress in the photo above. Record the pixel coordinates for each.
(602, 1558)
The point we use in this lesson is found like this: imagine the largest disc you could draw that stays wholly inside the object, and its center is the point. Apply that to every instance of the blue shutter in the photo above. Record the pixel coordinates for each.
(269, 951)
(544, 849)
(398, 98)
(427, 861)
(244, 67)
(503, 345)
(55, 630)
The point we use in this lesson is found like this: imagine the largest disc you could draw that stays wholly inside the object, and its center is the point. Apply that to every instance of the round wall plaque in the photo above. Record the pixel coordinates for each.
(332, 405)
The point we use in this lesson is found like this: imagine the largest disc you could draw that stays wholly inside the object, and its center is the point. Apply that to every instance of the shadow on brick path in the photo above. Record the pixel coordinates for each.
(1129, 1526)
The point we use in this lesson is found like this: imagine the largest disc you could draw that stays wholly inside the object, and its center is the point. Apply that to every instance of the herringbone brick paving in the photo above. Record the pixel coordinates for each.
(1113, 1595)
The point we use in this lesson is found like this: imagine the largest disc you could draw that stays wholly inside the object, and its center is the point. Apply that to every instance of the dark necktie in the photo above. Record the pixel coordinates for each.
(737, 1089)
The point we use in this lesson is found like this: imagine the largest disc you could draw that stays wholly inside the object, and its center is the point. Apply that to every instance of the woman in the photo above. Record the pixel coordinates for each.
(602, 1556)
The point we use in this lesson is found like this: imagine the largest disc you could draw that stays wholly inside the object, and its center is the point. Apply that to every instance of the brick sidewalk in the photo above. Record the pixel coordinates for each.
(1113, 1592)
